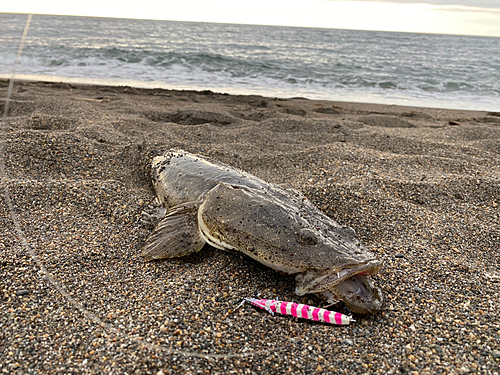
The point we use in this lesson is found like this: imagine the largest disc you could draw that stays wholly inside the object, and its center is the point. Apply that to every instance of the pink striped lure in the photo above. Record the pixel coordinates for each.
(299, 310)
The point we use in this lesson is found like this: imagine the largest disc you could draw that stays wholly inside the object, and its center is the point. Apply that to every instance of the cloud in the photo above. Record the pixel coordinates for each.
(492, 4)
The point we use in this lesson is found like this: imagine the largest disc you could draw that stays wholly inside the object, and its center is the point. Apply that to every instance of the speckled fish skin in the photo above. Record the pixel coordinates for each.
(234, 210)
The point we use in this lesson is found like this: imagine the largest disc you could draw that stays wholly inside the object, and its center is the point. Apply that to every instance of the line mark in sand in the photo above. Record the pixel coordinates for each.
(4, 185)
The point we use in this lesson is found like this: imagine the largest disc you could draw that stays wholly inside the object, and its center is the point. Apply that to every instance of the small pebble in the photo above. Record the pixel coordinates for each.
(22, 292)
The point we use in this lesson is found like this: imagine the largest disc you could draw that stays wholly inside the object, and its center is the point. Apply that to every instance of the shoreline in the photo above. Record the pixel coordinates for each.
(419, 185)
(156, 85)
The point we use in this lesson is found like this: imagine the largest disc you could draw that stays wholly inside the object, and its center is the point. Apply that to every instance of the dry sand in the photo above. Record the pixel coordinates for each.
(420, 186)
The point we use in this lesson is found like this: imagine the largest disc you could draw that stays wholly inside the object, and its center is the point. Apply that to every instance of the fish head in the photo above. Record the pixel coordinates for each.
(284, 231)
(348, 279)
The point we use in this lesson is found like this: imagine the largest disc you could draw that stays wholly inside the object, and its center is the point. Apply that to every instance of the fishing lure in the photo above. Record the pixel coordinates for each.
(299, 310)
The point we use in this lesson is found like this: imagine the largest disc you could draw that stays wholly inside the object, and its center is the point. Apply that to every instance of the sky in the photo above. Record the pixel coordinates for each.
(467, 17)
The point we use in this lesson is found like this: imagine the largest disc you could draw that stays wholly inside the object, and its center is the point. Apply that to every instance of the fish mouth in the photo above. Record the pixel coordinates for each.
(358, 293)
(357, 290)
(351, 284)
(319, 281)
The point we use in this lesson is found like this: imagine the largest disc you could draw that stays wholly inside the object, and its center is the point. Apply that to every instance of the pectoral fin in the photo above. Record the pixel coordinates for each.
(176, 235)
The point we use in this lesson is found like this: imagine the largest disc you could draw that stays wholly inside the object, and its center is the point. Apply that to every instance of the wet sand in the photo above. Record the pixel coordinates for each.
(420, 186)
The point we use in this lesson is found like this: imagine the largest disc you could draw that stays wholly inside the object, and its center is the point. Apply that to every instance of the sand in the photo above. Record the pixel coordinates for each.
(420, 186)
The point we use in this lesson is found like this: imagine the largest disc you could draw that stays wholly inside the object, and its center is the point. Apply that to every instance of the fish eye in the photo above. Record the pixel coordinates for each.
(307, 237)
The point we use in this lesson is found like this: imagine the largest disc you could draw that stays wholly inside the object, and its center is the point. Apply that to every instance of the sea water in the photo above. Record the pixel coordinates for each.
(447, 71)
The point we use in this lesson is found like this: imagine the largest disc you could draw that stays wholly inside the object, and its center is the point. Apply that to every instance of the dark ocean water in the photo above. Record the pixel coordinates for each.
(366, 66)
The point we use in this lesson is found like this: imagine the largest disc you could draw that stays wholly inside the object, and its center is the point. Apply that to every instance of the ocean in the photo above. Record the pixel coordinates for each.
(443, 71)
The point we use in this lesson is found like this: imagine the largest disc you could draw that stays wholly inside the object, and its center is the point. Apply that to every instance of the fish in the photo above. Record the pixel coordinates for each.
(208, 202)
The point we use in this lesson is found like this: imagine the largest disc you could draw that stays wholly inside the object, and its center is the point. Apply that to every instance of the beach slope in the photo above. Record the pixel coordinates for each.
(420, 186)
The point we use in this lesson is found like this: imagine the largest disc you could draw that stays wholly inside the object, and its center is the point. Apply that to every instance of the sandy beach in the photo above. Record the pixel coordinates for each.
(420, 186)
